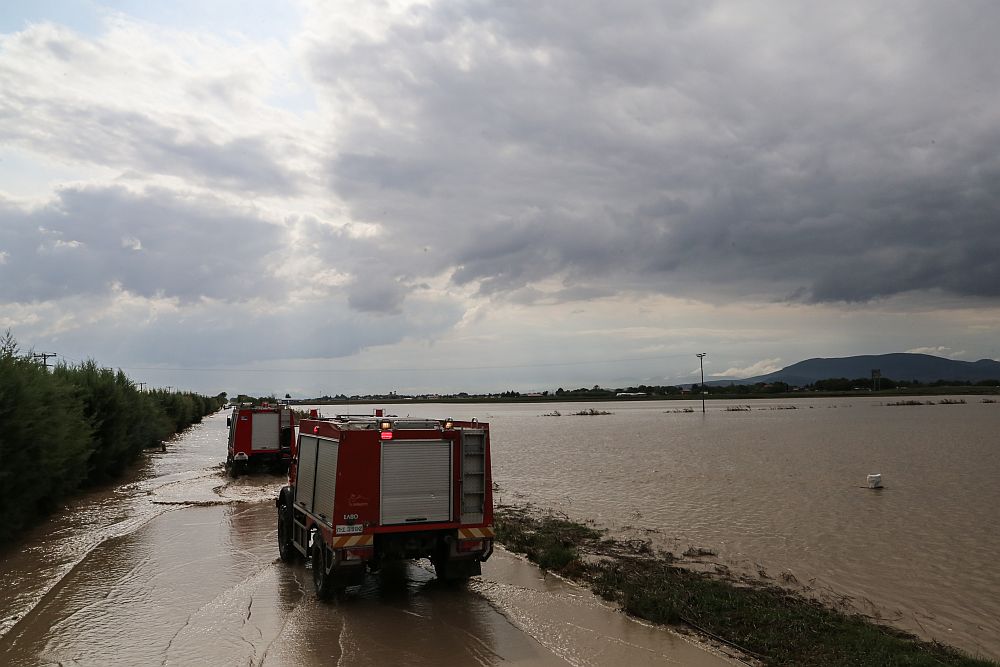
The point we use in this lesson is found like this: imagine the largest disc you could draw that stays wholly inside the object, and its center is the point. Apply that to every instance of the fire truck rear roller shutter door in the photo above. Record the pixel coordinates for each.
(306, 476)
(326, 478)
(265, 431)
(416, 481)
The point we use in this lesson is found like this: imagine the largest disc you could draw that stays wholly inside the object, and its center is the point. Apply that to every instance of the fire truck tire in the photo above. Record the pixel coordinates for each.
(322, 580)
(286, 550)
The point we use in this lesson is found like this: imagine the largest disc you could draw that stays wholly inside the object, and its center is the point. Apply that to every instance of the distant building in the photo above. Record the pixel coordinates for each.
(626, 394)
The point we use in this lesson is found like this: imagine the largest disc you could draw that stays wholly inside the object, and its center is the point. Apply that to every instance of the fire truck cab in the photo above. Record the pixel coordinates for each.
(260, 435)
(366, 489)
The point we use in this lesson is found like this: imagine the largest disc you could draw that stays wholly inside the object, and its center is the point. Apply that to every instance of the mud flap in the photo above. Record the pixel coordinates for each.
(343, 576)
(454, 569)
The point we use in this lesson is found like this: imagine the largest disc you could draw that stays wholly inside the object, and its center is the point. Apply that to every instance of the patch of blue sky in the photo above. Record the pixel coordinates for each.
(253, 19)
(83, 16)
(250, 19)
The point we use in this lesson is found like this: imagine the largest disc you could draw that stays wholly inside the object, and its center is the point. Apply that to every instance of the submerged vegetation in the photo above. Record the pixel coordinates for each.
(73, 427)
(762, 620)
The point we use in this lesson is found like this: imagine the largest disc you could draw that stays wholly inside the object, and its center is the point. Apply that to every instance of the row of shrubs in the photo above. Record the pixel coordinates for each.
(75, 426)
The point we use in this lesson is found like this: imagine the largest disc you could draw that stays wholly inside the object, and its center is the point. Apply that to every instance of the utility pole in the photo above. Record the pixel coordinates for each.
(141, 385)
(169, 387)
(701, 363)
(44, 356)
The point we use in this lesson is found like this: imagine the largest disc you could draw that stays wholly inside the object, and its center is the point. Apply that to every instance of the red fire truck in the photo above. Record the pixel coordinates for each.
(366, 489)
(260, 435)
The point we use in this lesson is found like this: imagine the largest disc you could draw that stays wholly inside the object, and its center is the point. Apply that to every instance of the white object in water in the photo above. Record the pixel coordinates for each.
(875, 481)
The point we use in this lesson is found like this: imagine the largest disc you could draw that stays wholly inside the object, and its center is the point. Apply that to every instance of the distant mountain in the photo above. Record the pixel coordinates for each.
(897, 366)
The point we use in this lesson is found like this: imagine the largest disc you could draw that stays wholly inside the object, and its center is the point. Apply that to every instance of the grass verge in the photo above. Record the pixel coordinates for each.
(768, 623)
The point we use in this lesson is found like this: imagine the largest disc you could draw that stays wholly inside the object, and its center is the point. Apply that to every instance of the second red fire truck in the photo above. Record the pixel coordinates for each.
(260, 436)
(366, 489)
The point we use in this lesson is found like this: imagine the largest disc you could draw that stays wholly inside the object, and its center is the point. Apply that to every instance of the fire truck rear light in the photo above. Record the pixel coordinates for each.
(385, 425)
(470, 545)
(315, 429)
(386, 435)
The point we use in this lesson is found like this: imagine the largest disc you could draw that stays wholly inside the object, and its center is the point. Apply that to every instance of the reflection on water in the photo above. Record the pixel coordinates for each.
(202, 586)
(186, 472)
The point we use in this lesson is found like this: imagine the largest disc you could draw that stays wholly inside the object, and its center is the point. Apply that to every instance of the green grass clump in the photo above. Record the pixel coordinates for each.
(548, 541)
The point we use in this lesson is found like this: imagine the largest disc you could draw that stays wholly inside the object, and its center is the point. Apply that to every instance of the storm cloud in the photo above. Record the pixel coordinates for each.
(786, 152)
(151, 244)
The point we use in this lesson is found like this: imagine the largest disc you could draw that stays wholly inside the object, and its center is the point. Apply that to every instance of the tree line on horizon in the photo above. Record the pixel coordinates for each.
(597, 392)
(73, 427)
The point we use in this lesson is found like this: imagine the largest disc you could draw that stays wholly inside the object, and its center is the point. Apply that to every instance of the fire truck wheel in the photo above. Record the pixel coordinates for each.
(321, 578)
(286, 550)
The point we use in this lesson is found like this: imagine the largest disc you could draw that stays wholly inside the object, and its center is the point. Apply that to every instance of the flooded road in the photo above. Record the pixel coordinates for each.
(179, 566)
(181, 562)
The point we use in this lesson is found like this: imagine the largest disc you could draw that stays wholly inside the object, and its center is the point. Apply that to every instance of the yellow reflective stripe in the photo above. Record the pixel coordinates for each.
(352, 541)
(475, 533)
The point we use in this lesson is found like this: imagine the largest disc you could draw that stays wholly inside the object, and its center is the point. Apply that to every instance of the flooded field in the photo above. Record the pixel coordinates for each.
(776, 490)
(179, 566)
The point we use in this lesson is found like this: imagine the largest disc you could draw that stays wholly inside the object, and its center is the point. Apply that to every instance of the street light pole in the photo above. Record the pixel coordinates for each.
(701, 363)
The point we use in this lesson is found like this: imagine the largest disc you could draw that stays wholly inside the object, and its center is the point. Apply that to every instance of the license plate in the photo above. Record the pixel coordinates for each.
(350, 530)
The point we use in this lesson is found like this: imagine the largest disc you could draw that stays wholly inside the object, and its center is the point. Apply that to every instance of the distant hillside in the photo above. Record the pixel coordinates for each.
(898, 366)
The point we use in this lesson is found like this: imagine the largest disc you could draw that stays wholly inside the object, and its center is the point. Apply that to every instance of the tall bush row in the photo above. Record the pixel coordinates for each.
(72, 427)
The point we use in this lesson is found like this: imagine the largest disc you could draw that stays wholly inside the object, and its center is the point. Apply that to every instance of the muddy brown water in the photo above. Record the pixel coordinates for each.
(178, 566)
(776, 491)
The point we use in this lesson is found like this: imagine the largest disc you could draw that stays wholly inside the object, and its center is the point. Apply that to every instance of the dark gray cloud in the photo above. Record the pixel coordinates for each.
(155, 243)
(132, 140)
(788, 152)
(377, 294)
(237, 333)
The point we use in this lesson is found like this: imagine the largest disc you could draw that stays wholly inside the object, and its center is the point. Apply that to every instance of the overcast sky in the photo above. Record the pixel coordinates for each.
(317, 198)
